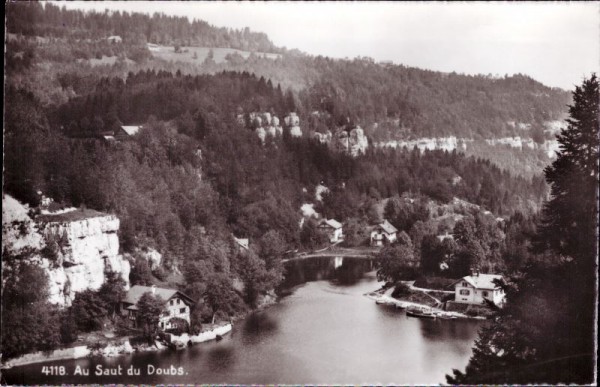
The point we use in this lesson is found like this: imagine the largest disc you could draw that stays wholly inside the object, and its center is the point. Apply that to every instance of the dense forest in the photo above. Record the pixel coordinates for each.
(390, 102)
(194, 175)
(51, 21)
(546, 332)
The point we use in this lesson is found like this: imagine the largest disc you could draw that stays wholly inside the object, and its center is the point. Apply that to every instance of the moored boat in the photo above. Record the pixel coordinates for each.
(420, 312)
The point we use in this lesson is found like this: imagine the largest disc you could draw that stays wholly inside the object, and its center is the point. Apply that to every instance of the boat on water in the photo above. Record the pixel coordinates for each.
(420, 313)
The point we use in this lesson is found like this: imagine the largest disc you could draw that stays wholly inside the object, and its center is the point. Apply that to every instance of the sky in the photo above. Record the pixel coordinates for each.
(557, 43)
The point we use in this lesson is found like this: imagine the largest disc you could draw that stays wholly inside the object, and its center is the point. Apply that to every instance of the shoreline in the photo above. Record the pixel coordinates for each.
(385, 298)
(112, 350)
(125, 347)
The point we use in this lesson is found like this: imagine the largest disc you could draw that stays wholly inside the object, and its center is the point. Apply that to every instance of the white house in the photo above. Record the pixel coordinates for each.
(177, 304)
(384, 233)
(333, 229)
(473, 289)
(114, 39)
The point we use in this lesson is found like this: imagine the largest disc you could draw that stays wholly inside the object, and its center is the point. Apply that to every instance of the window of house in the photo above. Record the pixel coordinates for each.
(464, 284)
(178, 301)
(172, 302)
(485, 294)
(464, 292)
(182, 310)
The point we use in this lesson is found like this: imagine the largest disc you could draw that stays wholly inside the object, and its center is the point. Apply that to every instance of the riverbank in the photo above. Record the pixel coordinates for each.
(115, 348)
(384, 297)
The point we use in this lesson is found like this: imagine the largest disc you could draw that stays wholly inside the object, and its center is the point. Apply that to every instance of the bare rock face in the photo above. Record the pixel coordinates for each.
(354, 142)
(274, 130)
(295, 131)
(153, 257)
(266, 125)
(261, 133)
(85, 247)
(90, 249)
(292, 119)
(323, 138)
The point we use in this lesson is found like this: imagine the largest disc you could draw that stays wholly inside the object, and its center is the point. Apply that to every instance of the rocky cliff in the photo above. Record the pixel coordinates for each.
(353, 142)
(76, 248)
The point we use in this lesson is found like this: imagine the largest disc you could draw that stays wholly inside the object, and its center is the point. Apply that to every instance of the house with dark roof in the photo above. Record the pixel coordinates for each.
(476, 288)
(332, 228)
(177, 304)
(384, 233)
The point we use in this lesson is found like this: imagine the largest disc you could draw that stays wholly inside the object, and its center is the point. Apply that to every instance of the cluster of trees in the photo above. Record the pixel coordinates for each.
(546, 331)
(193, 176)
(439, 246)
(193, 148)
(389, 101)
(49, 20)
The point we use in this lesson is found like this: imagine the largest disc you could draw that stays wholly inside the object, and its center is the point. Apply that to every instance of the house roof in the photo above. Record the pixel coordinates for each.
(135, 293)
(331, 223)
(131, 129)
(482, 281)
(242, 242)
(388, 227)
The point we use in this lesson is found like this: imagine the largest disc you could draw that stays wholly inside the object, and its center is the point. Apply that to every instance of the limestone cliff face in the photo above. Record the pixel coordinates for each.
(353, 142)
(84, 247)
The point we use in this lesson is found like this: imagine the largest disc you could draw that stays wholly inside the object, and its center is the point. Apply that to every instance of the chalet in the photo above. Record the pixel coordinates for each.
(333, 229)
(126, 131)
(177, 304)
(476, 288)
(384, 233)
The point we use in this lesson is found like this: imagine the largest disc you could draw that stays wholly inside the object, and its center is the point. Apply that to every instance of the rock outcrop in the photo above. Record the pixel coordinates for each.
(292, 121)
(353, 142)
(76, 249)
(265, 125)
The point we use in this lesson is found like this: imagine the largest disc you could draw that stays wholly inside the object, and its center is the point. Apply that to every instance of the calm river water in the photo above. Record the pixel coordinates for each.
(323, 330)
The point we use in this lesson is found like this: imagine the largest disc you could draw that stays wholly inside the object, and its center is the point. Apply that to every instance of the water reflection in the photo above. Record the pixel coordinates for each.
(448, 330)
(221, 358)
(339, 270)
(257, 326)
(328, 332)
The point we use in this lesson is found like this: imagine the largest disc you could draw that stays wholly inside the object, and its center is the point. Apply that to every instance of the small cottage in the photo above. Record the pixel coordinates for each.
(476, 288)
(177, 304)
(384, 233)
(333, 229)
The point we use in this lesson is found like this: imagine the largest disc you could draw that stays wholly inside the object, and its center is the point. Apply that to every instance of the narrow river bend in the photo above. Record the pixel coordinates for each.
(323, 330)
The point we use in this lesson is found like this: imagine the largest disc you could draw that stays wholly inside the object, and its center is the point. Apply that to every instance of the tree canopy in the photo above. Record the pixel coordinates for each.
(546, 334)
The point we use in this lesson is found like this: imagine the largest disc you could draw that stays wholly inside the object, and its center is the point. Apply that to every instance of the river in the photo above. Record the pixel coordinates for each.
(323, 330)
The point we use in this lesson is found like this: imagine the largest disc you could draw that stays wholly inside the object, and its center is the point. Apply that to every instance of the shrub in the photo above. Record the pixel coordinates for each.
(401, 290)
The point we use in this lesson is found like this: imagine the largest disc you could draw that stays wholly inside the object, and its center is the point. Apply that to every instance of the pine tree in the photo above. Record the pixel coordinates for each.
(546, 331)
(570, 216)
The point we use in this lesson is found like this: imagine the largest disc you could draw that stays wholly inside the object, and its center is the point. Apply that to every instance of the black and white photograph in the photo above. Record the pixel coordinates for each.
(300, 193)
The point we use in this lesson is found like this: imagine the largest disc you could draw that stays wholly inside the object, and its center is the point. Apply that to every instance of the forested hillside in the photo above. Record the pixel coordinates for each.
(194, 176)
(53, 22)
